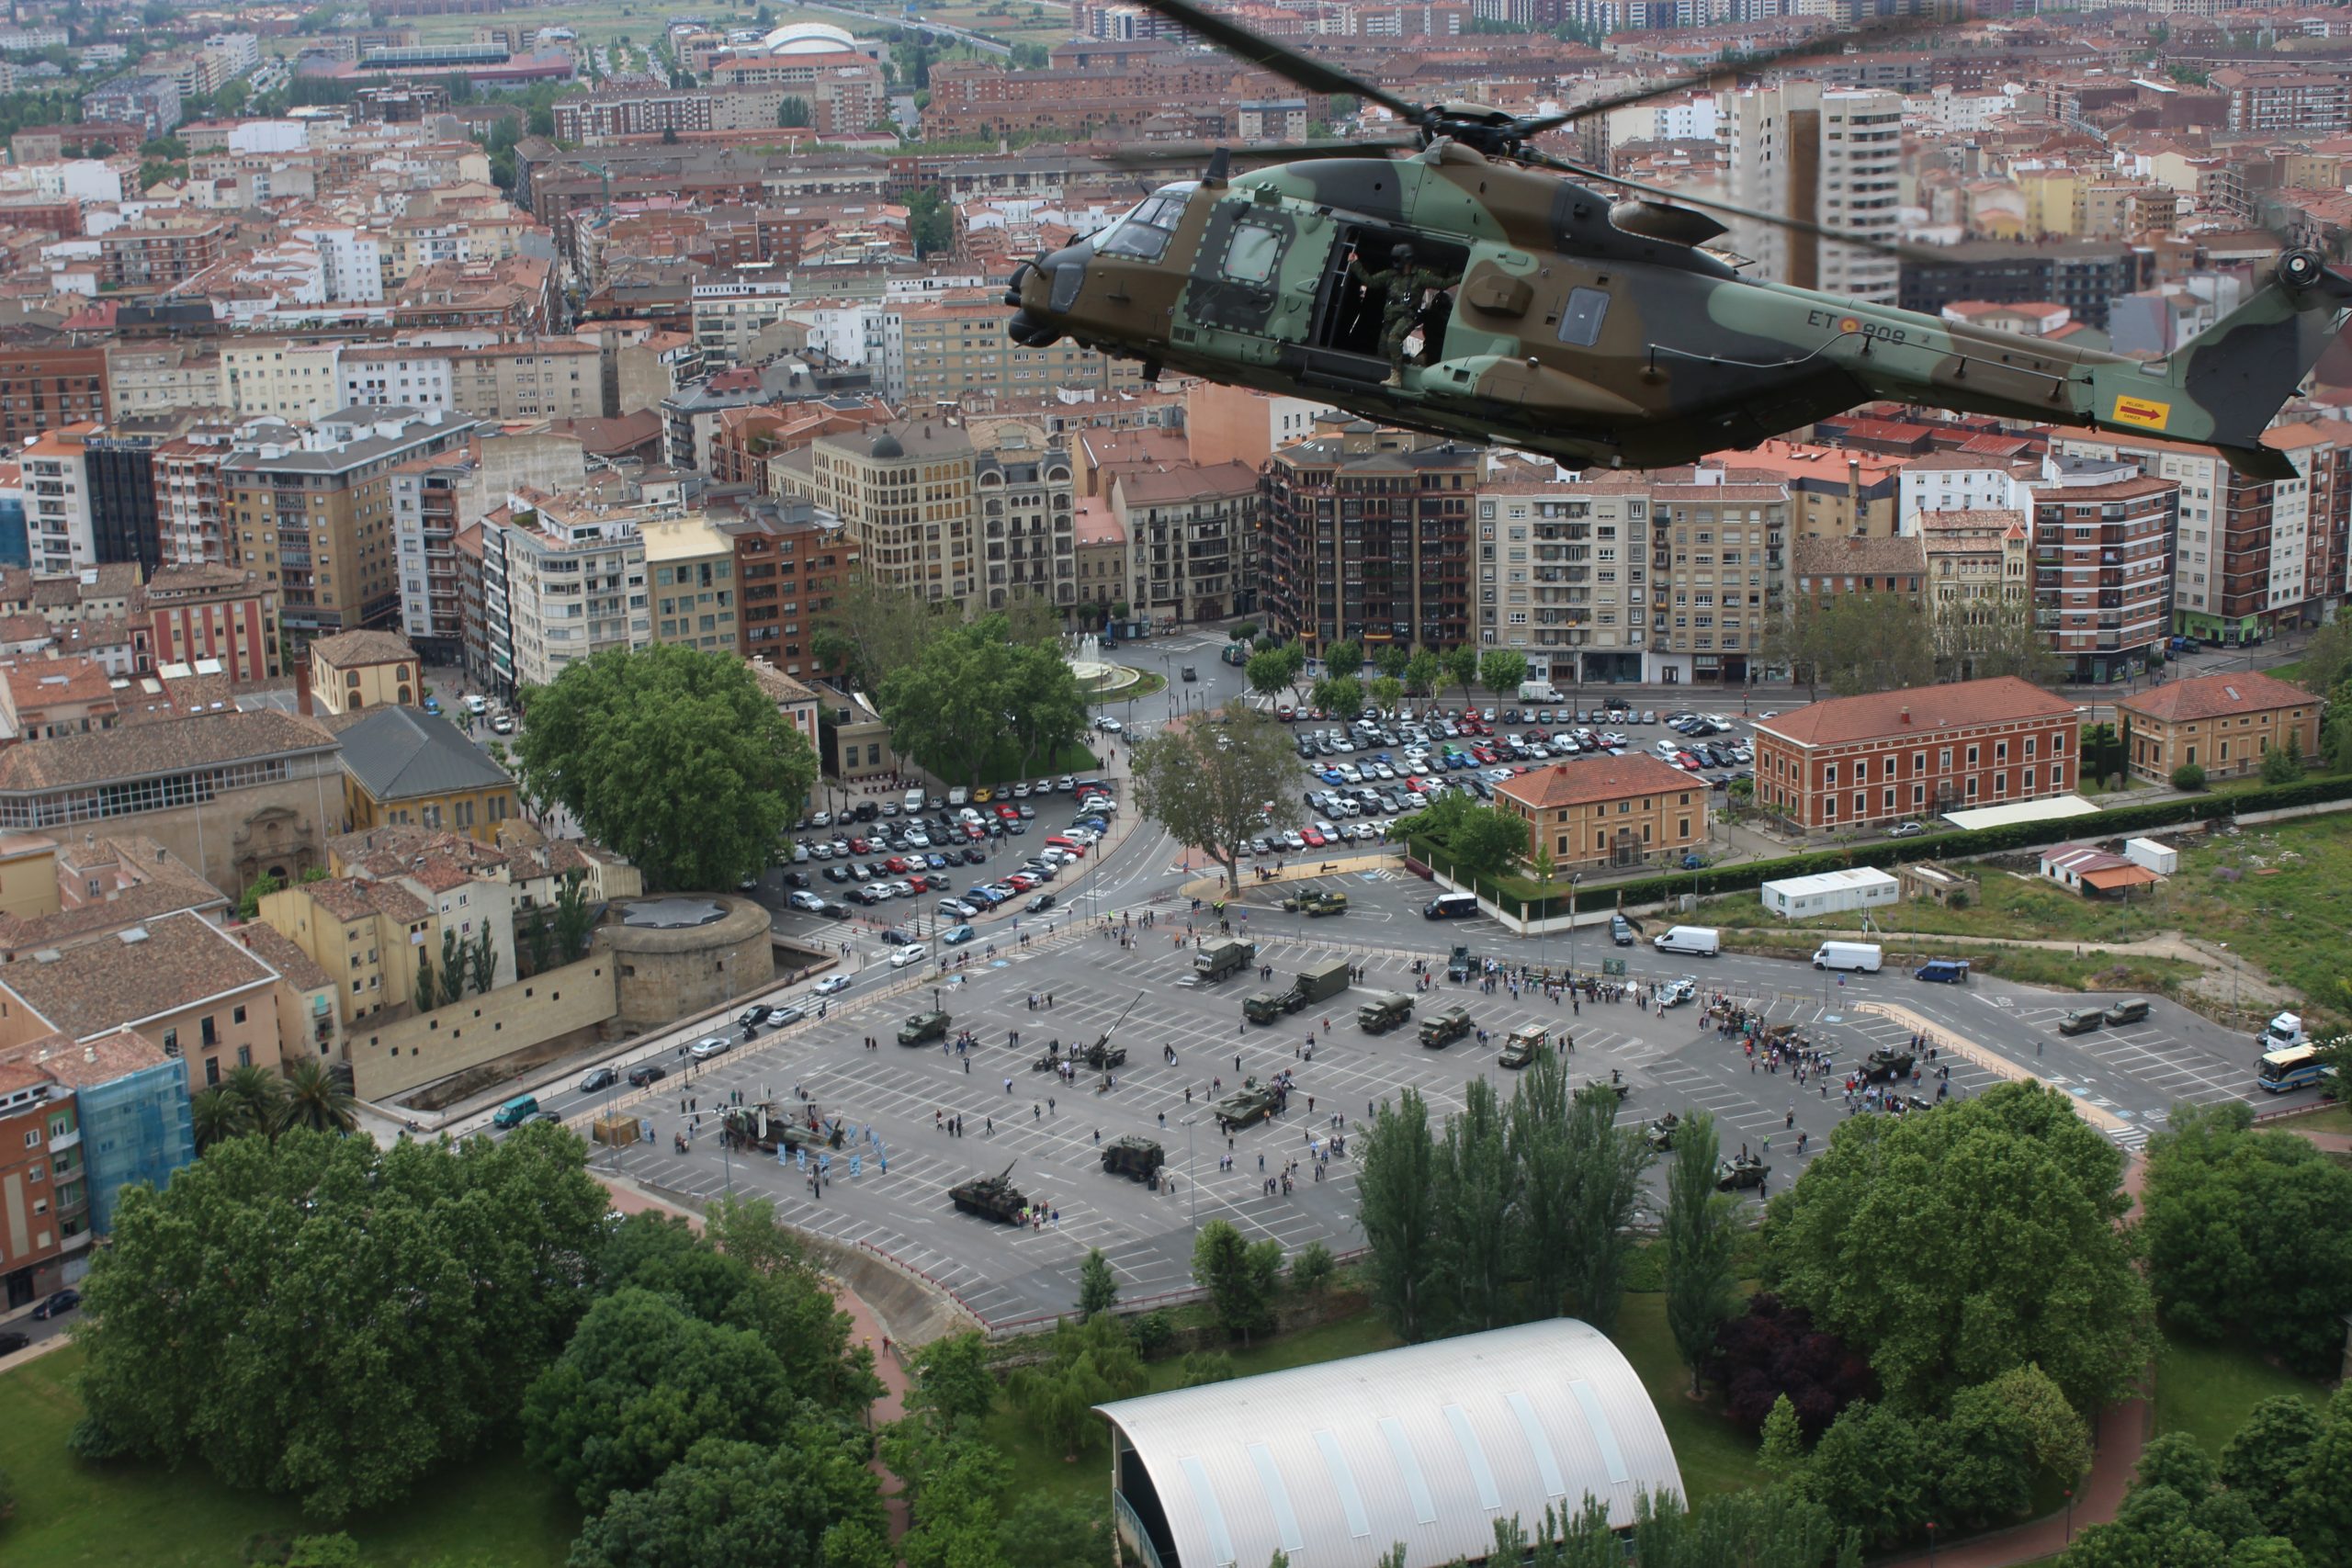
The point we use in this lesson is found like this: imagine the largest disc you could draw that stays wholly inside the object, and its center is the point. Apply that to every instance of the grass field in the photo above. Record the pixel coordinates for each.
(2326, 1119)
(1714, 1456)
(71, 1515)
(2206, 1390)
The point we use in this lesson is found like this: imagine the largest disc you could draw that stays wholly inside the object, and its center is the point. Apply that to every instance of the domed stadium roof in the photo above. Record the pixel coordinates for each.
(807, 37)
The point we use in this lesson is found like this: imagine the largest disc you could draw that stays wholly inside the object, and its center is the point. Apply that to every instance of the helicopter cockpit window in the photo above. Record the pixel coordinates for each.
(1251, 255)
(1144, 234)
(1580, 323)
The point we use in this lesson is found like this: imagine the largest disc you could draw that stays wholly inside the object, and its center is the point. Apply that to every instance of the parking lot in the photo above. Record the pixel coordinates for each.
(896, 1102)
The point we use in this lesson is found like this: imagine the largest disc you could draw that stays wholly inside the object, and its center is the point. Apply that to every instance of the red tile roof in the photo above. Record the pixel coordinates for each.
(1584, 780)
(1919, 710)
(2211, 697)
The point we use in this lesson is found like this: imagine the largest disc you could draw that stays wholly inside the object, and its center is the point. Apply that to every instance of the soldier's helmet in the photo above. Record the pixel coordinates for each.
(1402, 255)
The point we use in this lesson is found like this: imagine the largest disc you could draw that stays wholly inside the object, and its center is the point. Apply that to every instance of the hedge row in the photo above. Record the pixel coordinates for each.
(2123, 820)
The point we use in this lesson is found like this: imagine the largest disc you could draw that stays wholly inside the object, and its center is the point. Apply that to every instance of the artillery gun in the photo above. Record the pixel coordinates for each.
(990, 1197)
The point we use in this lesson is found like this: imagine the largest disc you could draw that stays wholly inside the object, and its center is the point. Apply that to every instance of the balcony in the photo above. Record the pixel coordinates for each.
(65, 1140)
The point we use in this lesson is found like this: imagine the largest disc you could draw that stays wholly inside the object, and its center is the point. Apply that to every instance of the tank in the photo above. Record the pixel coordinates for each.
(1659, 1134)
(1742, 1170)
(1133, 1156)
(990, 1197)
(1884, 1061)
(1252, 1102)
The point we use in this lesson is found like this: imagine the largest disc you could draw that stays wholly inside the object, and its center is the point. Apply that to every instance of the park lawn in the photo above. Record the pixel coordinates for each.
(2334, 1117)
(1038, 1469)
(73, 1515)
(2206, 1390)
(1714, 1456)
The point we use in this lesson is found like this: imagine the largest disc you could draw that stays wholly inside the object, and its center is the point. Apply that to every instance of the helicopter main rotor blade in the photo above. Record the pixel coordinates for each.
(1281, 152)
(1713, 76)
(1794, 225)
(1280, 59)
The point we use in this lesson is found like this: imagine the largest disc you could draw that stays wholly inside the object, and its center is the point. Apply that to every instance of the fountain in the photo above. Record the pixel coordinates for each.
(1095, 674)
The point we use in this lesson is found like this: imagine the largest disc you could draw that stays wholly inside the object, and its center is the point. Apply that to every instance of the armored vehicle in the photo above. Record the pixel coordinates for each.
(1742, 1170)
(1447, 1027)
(1659, 1134)
(1616, 1081)
(923, 1026)
(1219, 959)
(990, 1197)
(1885, 1062)
(1526, 1043)
(1264, 1007)
(1136, 1159)
(1384, 1012)
(764, 1128)
(1252, 1102)
(1318, 902)
(1460, 966)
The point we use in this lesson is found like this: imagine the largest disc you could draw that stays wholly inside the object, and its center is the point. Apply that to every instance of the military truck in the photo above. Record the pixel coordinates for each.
(1527, 1042)
(1316, 983)
(1659, 1134)
(1138, 1158)
(1447, 1027)
(1384, 1012)
(1219, 959)
(763, 1128)
(1460, 966)
(1251, 1103)
(990, 1197)
(1317, 902)
(1742, 1170)
(1885, 1062)
(923, 1026)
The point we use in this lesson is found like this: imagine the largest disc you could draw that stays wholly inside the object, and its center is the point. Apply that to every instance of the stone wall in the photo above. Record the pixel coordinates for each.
(416, 1050)
(667, 974)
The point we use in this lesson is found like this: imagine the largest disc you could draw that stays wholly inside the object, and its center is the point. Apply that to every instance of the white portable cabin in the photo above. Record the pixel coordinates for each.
(1830, 893)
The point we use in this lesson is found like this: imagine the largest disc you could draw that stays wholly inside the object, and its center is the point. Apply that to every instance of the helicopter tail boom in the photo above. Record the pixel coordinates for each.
(2223, 388)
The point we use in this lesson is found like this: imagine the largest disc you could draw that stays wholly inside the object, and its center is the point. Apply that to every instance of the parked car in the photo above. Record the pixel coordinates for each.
(645, 1073)
(59, 1304)
(598, 1078)
(906, 956)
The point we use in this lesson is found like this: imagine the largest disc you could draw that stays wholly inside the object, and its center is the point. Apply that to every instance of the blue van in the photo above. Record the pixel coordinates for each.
(1945, 971)
(516, 1112)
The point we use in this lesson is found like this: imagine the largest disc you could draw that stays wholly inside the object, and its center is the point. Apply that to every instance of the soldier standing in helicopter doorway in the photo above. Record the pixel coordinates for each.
(1403, 287)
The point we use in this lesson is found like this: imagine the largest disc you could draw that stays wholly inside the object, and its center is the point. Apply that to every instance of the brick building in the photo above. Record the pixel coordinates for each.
(1369, 545)
(790, 565)
(2102, 565)
(1878, 758)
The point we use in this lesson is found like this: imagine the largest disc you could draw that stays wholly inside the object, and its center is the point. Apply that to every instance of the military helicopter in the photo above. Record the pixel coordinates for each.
(1599, 332)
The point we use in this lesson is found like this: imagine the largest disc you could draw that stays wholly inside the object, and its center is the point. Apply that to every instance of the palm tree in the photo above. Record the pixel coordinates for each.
(216, 1118)
(256, 1093)
(316, 1099)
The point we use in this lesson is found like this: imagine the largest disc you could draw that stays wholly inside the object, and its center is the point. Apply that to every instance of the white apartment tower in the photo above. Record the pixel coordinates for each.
(1828, 157)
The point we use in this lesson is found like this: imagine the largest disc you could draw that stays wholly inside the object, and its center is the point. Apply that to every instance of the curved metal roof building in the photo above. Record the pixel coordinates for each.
(1426, 1445)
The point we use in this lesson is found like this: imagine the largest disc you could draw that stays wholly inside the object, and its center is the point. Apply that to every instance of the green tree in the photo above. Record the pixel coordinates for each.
(726, 1502)
(2327, 658)
(1610, 1164)
(1391, 660)
(2322, 1506)
(1486, 842)
(1982, 1457)
(453, 967)
(870, 630)
(1462, 668)
(2243, 1236)
(1091, 1361)
(671, 756)
(1242, 1278)
(1699, 1235)
(2056, 1437)
(1423, 670)
(1216, 783)
(1387, 692)
(2016, 1199)
(1978, 640)
(1477, 1204)
(2264, 1458)
(1098, 1291)
(1038, 1532)
(1500, 670)
(574, 918)
(1546, 1159)
(1269, 671)
(952, 1379)
(1397, 1206)
(2283, 764)
(259, 888)
(1311, 1270)
(213, 1116)
(428, 995)
(482, 964)
(1342, 659)
(931, 221)
(1859, 643)
(641, 1382)
(2189, 778)
(336, 1550)
(260, 1096)
(1781, 1451)
(1872, 1470)
(970, 690)
(538, 935)
(458, 1267)
(316, 1098)
(1342, 696)
(794, 112)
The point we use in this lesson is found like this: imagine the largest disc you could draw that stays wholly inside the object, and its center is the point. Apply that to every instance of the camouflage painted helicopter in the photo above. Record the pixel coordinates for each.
(1550, 319)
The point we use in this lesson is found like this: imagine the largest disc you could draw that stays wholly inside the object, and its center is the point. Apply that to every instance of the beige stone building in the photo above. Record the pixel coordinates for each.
(2223, 723)
(1608, 811)
(365, 670)
(690, 575)
(945, 350)
(367, 937)
(905, 493)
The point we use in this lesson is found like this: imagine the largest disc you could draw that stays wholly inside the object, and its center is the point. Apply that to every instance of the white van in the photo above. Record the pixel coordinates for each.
(476, 703)
(1704, 941)
(1860, 956)
(914, 801)
(959, 796)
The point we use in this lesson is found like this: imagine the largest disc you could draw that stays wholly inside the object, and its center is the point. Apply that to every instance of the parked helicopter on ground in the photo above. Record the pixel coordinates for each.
(1550, 319)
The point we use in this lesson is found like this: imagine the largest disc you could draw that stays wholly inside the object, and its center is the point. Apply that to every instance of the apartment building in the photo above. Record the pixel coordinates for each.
(1608, 812)
(47, 382)
(1369, 545)
(690, 573)
(208, 612)
(146, 377)
(161, 252)
(563, 579)
(274, 379)
(944, 350)
(1193, 539)
(58, 531)
(369, 937)
(1855, 762)
(1022, 483)
(191, 503)
(1829, 157)
(1977, 559)
(312, 510)
(2103, 539)
(790, 562)
(1821, 569)
(106, 1113)
(40, 1168)
(1716, 564)
(906, 495)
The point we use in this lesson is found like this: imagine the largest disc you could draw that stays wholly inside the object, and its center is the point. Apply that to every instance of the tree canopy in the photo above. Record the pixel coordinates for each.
(809, 1500)
(672, 756)
(1217, 781)
(363, 1313)
(1959, 1245)
(973, 692)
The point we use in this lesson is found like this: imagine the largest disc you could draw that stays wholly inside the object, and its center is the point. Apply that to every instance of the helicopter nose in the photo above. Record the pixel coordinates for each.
(1045, 288)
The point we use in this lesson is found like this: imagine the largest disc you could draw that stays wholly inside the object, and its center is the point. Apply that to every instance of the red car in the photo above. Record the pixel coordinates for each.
(896, 865)
(1685, 760)
(1008, 813)
(1023, 880)
(1314, 838)
(860, 847)
(1067, 846)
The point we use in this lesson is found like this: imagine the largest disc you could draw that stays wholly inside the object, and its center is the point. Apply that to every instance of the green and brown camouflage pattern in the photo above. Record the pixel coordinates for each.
(1678, 358)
